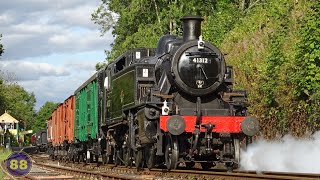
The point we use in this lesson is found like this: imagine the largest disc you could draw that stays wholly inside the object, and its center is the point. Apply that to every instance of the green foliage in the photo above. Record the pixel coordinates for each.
(274, 47)
(140, 23)
(221, 21)
(306, 68)
(40, 121)
(1, 46)
(4, 153)
(20, 104)
(274, 54)
(100, 65)
(17, 101)
(308, 56)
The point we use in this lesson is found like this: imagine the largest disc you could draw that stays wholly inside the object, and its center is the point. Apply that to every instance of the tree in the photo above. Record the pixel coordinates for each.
(140, 23)
(43, 115)
(100, 65)
(1, 46)
(19, 103)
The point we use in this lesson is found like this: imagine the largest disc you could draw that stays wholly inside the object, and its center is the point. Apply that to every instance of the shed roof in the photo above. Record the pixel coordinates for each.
(7, 118)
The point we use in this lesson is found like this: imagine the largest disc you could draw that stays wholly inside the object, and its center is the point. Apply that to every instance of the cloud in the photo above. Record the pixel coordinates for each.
(86, 66)
(26, 71)
(39, 41)
(51, 46)
(58, 88)
(78, 16)
(39, 27)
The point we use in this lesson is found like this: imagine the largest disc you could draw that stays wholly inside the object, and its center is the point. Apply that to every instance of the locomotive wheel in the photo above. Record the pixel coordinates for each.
(127, 151)
(104, 158)
(150, 156)
(96, 158)
(117, 157)
(127, 156)
(109, 159)
(109, 153)
(190, 164)
(172, 152)
(206, 165)
(138, 158)
(236, 144)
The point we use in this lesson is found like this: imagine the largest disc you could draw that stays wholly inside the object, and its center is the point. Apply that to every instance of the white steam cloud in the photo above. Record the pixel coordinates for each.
(286, 155)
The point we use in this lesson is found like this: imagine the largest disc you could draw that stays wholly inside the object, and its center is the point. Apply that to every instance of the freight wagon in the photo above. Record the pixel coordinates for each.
(60, 129)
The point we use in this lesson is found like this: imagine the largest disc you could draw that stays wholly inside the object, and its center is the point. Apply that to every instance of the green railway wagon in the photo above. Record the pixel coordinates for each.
(86, 114)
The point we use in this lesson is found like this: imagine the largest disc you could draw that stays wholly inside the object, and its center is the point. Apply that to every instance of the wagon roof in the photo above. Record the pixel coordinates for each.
(92, 78)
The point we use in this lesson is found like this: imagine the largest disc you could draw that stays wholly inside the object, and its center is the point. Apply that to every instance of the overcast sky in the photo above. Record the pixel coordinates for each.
(51, 46)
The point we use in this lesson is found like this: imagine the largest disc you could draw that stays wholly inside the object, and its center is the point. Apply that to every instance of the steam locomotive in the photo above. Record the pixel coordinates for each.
(166, 106)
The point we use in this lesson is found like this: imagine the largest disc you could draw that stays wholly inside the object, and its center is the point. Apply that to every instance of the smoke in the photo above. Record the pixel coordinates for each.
(286, 155)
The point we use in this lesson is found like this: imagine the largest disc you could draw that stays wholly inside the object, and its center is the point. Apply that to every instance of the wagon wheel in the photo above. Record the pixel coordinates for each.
(150, 156)
(53, 158)
(138, 158)
(73, 158)
(172, 152)
(67, 158)
(89, 157)
(63, 159)
(80, 158)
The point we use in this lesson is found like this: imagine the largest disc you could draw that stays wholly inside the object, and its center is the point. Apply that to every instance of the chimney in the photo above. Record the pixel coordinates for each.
(191, 27)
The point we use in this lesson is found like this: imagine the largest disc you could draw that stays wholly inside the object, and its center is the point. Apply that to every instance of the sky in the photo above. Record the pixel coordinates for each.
(51, 47)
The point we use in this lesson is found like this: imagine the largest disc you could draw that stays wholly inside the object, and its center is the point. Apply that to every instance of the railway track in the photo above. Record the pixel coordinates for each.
(121, 172)
(47, 169)
(130, 174)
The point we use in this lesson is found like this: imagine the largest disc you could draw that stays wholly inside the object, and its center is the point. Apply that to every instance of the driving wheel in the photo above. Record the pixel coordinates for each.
(150, 156)
(172, 152)
(138, 158)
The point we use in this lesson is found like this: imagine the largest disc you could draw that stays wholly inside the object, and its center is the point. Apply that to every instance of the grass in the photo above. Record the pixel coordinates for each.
(3, 155)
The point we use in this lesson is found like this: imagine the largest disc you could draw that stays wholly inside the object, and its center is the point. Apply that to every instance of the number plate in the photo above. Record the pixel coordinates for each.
(200, 60)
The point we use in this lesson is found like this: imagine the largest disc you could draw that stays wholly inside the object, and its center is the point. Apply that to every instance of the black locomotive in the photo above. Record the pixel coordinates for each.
(174, 104)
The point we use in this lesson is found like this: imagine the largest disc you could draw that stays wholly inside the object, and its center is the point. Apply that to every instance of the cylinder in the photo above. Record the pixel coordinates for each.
(191, 27)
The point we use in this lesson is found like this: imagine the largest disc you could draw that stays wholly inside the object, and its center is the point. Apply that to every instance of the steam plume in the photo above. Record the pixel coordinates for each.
(286, 155)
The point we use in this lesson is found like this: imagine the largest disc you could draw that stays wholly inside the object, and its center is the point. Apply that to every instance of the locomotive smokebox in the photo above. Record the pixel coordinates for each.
(191, 27)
